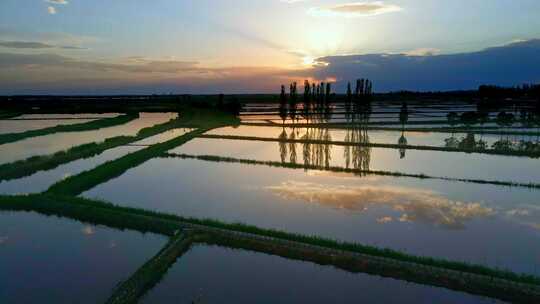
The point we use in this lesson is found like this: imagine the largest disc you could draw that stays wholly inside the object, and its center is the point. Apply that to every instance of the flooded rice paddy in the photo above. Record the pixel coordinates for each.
(296, 182)
(209, 274)
(432, 163)
(52, 260)
(42, 180)
(49, 144)
(480, 223)
(27, 122)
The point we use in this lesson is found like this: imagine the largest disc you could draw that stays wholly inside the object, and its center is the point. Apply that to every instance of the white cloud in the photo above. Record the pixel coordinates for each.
(355, 9)
(384, 220)
(51, 10)
(57, 1)
(35, 45)
(88, 230)
(423, 52)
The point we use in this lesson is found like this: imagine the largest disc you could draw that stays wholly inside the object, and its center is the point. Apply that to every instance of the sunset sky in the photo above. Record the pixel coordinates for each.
(238, 46)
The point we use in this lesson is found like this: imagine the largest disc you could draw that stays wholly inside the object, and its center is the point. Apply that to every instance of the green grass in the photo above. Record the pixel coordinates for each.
(60, 200)
(77, 184)
(8, 115)
(98, 212)
(376, 145)
(34, 164)
(88, 211)
(87, 126)
(494, 130)
(275, 164)
(152, 272)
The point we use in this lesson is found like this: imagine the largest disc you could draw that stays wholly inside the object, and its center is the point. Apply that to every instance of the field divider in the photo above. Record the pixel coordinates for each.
(378, 127)
(31, 165)
(86, 126)
(153, 271)
(77, 184)
(361, 172)
(373, 145)
(476, 279)
(382, 266)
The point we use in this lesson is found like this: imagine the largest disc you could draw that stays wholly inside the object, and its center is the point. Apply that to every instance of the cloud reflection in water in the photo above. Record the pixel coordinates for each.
(416, 205)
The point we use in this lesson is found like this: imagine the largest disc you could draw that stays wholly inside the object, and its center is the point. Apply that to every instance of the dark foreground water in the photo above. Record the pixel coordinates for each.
(211, 274)
(486, 224)
(52, 260)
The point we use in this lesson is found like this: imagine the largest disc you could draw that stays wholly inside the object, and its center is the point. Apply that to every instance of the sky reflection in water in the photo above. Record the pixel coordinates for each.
(446, 219)
(414, 205)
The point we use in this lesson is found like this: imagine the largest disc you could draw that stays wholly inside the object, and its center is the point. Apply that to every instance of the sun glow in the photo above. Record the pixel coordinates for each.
(308, 60)
(325, 41)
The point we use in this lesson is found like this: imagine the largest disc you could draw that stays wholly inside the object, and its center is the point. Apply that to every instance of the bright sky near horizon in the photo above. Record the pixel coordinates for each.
(70, 46)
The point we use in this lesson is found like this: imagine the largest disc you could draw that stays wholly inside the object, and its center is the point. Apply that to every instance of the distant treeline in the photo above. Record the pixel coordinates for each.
(523, 91)
(122, 103)
(316, 93)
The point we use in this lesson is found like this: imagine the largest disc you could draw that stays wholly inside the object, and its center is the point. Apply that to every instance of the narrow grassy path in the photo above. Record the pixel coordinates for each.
(203, 120)
(378, 127)
(103, 213)
(152, 272)
(77, 184)
(90, 211)
(60, 200)
(87, 126)
(461, 276)
(213, 158)
(375, 145)
(482, 285)
(34, 164)
(8, 115)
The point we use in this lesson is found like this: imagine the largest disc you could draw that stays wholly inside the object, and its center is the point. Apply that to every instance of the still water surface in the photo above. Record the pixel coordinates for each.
(42, 180)
(49, 144)
(53, 260)
(432, 163)
(211, 274)
(493, 225)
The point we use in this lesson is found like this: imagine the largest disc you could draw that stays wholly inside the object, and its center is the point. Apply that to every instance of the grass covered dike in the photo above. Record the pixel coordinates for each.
(382, 127)
(29, 166)
(87, 126)
(34, 164)
(276, 164)
(376, 145)
(60, 201)
(201, 120)
(103, 213)
(77, 184)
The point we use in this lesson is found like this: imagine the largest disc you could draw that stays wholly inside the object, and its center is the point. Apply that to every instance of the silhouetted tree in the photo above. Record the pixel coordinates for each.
(293, 98)
(452, 118)
(348, 102)
(469, 118)
(283, 104)
(313, 93)
(505, 119)
(321, 95)
(328, 93)
(307, 98)
(403, 114)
